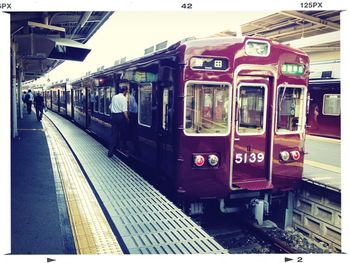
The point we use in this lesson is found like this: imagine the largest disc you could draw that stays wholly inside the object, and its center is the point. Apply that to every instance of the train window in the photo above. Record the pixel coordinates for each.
(251, 109)
(207, 109)
(54, 97)
(75, 93)
(68, 97)
(94, 99)
(101, 97)
(165, 108)
(290, 109)
(145, 105)
(331, 104)
(108, 100)
(62, 97)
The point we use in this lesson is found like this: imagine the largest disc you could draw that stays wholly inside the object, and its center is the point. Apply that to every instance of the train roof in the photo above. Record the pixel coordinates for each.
(172, 50)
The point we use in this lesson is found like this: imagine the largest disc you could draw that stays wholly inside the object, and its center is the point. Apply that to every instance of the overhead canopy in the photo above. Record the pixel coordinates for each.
(286, 26)
(46, 39)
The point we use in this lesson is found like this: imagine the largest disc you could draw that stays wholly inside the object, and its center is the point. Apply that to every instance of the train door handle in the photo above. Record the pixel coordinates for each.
(237, 139)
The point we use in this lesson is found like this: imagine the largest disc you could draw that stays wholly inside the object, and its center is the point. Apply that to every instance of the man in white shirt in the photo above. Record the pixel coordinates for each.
(29, 98)
(119, 119)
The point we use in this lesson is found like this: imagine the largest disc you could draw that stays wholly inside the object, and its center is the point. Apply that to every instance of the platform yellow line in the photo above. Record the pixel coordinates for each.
(91, 231)
(323, 139)
(323, 166)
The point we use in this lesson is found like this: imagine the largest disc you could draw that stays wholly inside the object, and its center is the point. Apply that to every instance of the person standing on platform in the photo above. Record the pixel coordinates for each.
(24, 96)
(119, 119)
(39, 106)
(28, 99)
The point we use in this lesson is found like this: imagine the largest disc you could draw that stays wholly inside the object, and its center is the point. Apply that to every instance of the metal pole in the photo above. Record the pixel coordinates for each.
(13, 99)
(20, 102)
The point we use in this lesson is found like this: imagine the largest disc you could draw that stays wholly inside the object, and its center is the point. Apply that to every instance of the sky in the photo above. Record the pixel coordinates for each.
(128, 33)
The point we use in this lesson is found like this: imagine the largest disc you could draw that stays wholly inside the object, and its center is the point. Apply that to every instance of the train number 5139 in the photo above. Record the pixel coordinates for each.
(249, 158)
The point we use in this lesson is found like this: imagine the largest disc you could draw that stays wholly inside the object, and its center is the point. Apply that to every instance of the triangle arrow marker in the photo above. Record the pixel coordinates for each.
(50, 260)
(287, 259)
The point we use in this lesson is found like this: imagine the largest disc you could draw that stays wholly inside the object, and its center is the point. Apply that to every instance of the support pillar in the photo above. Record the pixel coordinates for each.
(13, 92)
(288, 220)
(19, 92)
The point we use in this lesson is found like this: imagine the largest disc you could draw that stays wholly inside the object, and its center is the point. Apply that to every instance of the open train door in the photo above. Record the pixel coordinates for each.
(252, 133)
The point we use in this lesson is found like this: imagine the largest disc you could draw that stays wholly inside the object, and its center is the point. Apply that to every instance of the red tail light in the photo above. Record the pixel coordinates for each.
(295, 155)
(199, 160)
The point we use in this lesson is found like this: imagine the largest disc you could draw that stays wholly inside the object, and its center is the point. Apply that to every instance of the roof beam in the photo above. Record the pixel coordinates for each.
(302, 29)
(315, 40)
(44, 26)
(311, 19)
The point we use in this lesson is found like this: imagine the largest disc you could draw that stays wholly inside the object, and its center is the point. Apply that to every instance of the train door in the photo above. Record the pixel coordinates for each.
(58, 100)
(87, 109)
(252, 133)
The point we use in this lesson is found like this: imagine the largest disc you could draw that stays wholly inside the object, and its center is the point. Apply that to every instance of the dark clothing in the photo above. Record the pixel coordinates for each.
(29, 106)
(118, 132)
(39, 106)
(134, 131)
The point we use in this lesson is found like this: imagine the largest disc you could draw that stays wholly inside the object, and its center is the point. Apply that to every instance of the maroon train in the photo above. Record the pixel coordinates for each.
(217, 118)
(323, 118)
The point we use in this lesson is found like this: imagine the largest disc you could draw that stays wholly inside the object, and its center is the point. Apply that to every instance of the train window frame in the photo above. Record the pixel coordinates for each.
(303, 114)
(229, 117)
(323, 104)
(139, 104)
(264, 107)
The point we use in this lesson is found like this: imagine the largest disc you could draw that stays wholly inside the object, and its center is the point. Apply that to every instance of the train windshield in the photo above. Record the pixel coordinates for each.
(291, 109)
(207, 109)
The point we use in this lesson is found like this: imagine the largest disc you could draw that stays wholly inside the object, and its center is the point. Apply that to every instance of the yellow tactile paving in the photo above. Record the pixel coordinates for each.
(91, 231)
(324, 139)
(323, 166)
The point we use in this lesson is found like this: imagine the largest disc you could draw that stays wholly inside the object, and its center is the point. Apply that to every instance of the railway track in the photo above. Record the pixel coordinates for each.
(240, 237)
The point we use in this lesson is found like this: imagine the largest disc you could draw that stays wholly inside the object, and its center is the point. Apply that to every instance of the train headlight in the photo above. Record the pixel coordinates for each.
(213, 160)
(284, 156)
(295, 155)
(199, 160)
(254, 47)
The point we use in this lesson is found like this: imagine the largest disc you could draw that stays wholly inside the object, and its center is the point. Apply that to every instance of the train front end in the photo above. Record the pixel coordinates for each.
(241, 118)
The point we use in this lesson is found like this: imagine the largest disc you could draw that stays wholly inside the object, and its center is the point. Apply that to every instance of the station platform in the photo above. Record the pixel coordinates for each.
(74, 199)
(322, 163)
(38, 210)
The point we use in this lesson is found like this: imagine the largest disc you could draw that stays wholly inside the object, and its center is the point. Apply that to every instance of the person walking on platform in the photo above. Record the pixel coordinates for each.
(28, 99)
(119, 119)
(39, 106)
(24, 96)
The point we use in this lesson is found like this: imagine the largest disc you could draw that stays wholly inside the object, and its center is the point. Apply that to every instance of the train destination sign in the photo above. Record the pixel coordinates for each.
(294, 69)
(209, 63)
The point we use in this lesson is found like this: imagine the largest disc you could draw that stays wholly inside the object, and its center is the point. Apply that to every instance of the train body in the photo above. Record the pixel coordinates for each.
(324, 116)
(215, 116)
